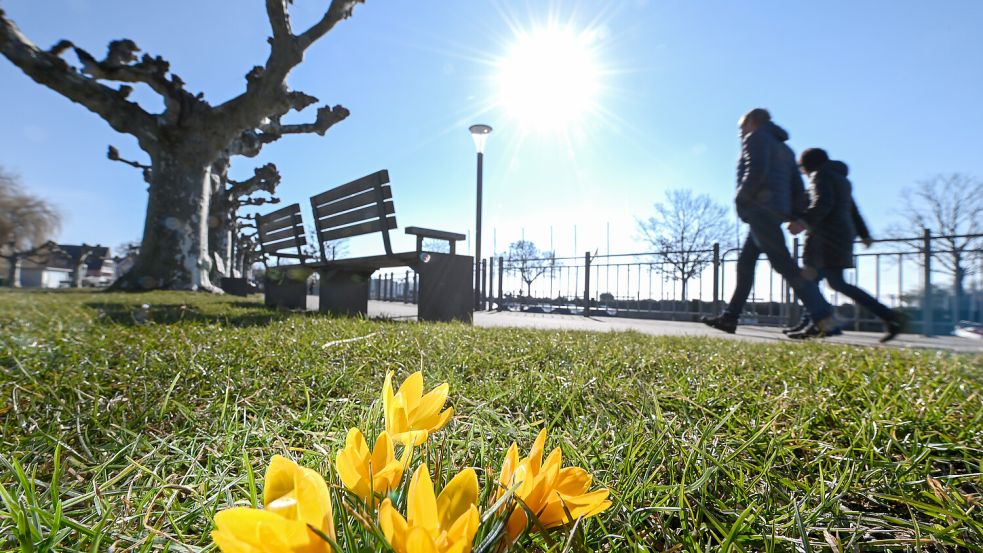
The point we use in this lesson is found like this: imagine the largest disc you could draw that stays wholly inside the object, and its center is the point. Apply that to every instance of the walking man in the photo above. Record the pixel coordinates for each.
(833, 223)
(769, 192)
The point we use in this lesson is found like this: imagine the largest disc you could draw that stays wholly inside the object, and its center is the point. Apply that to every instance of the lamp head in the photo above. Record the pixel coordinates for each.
(480, 134)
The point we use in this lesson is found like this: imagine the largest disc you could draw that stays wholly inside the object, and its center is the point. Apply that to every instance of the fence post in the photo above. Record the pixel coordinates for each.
(484, 284)
(416, 287)
(587, 284)
(406, 287)
(501, 274)
(716, 276)
(927, 297)
(490, 298)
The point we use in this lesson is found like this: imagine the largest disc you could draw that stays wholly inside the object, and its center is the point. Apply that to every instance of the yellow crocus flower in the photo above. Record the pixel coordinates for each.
(410, 415)
(434, 524)
(547, 489)
(367, 472)
(295, 498)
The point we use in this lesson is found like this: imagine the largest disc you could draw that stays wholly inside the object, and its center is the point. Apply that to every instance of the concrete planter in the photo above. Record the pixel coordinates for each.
(286, 287)
(235, 286)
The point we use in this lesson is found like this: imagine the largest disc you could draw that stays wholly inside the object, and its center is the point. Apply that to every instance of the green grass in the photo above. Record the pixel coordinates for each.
(126, 427)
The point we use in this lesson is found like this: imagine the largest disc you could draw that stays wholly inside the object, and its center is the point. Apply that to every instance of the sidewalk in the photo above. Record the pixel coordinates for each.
(395, 310)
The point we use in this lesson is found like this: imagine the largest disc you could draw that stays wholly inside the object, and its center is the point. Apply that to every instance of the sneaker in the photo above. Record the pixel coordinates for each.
(893, 327)
(803, 323)
(822, 329)
(721, 322)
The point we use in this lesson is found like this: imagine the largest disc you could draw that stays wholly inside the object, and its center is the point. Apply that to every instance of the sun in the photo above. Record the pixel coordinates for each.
(549, 78)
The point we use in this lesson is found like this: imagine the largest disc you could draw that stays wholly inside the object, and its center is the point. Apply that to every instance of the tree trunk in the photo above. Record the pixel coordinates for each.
(174, 252)
(13, 271)
(220, 235)
(79, 271)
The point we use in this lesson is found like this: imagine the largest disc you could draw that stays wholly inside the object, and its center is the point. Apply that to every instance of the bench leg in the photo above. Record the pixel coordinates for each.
(344, 291)
(446, 292)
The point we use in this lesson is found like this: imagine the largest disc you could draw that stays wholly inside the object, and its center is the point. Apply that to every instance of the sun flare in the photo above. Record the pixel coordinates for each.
(549, 79)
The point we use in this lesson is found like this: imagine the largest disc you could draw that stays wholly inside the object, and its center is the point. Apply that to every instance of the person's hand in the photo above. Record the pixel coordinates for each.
(867, 242)
(795, 227)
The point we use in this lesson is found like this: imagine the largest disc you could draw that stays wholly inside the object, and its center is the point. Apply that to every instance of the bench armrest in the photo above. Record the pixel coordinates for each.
(438, 234)
(421, 233)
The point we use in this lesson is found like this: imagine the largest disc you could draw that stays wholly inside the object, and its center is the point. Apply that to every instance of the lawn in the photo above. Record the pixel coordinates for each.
(129, 420)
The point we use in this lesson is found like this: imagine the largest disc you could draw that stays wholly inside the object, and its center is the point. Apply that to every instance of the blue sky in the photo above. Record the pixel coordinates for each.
(892, 88)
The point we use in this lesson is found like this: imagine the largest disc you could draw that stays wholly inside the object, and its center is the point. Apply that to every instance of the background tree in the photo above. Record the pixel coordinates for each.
(529, 262)
(27, 224)
(81, 264)
(333, 249)
(683, 231)
(224, 220)
(189, 143)
(950, 206)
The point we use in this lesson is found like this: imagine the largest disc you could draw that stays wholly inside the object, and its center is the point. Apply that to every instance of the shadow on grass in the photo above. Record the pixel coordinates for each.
(236, 314)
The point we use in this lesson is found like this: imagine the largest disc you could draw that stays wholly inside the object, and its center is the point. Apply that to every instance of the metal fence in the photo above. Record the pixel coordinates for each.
(912, 274)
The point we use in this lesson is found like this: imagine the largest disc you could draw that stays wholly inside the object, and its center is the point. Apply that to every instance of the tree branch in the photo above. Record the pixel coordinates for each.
(265, 178)
(327, 117)
(48, 69)
(338, 11)
(276, 12)
(259, 201)
(266, 93)
(120, 65)
(113, 154)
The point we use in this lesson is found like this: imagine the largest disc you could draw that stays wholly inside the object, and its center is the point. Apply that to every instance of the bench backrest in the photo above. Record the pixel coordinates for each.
(362, 206)
(280, 230)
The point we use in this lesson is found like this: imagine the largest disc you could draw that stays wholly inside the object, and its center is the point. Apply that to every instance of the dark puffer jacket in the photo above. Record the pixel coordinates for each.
(832, 219)
(768, 176)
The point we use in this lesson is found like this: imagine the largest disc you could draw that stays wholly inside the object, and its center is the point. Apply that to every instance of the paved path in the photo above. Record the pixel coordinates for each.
(668, 328)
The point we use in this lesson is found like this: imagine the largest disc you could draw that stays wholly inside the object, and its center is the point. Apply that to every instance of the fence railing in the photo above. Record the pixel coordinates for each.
(914, 275)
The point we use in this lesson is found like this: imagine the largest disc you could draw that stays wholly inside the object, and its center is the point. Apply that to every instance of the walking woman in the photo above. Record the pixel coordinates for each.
(833, 223)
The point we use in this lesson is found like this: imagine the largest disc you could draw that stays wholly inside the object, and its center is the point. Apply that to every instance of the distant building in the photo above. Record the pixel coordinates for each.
(41, 275)
(58, 269)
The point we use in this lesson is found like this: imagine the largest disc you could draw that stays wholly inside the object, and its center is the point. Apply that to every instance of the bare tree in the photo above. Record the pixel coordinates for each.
(224, 228)
(683, 231)
(26, 226)
(529, 262)
(81, 263)
(190, 143)
(333, 249)
(951, 206)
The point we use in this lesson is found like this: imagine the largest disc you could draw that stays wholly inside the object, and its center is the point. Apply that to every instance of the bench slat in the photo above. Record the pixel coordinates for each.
(354, 187)
(290, 242)
(289, 232)
(371, 262)
(356, 216)
(355, 230)
(351, 202)
(267, 225)
(284, 252)
(281, 213)
(290, 255)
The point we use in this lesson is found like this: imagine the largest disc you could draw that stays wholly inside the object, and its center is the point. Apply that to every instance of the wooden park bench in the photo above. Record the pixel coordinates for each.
(281, 235)
(364, 206)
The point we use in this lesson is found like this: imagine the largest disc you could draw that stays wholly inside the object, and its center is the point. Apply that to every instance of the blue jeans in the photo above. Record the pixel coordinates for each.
(766, 236)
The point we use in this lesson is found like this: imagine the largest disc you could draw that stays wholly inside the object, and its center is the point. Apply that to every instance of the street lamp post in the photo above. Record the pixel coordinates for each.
(480, 134)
